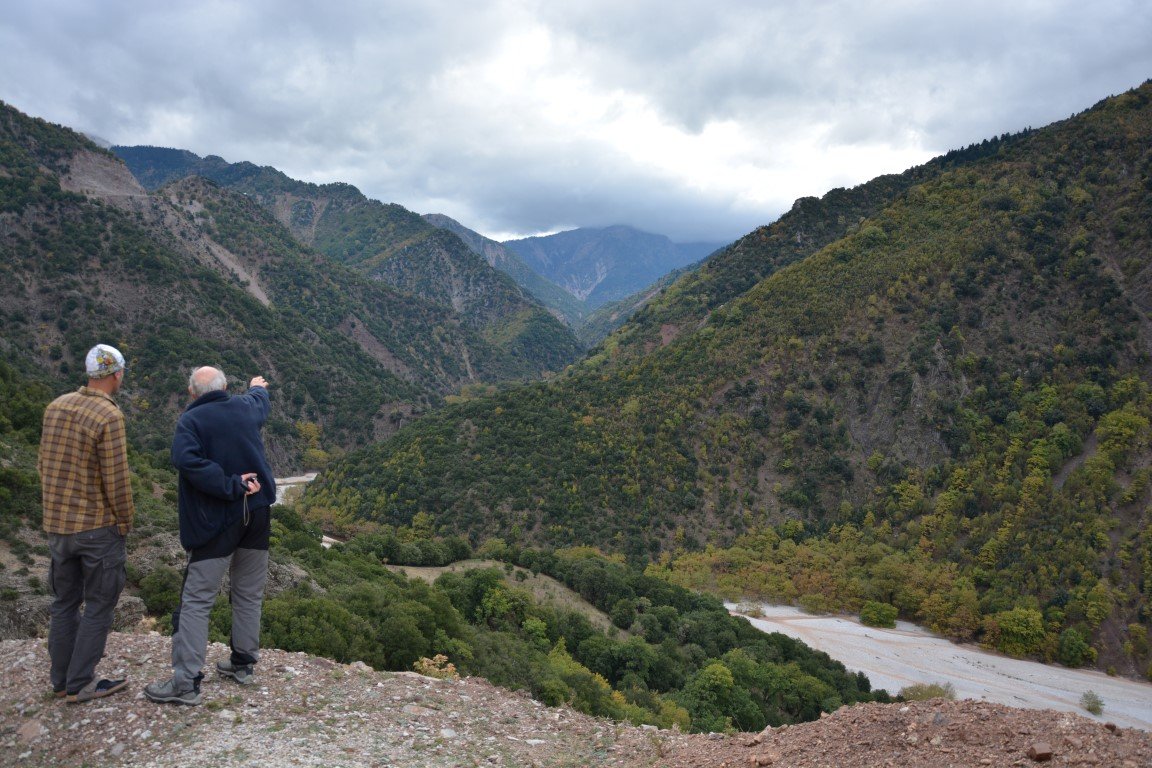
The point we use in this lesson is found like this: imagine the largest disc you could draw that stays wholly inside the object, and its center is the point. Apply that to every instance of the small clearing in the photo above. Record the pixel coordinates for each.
(544, 589)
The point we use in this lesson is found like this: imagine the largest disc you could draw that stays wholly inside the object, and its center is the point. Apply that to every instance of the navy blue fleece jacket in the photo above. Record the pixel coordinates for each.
(218, 440)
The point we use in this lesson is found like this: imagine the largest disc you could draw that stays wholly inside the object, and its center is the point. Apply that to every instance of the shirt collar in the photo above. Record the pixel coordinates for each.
(88, 391)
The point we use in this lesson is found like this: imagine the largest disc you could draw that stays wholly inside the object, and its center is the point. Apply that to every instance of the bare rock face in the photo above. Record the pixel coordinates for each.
(28, 616)
(102, 175)
(282, 577)
(286, 576)
(24, 607)
(129, 613)
(158, 550)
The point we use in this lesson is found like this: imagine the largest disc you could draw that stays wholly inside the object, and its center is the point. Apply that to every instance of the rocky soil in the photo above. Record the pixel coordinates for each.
(306, 711)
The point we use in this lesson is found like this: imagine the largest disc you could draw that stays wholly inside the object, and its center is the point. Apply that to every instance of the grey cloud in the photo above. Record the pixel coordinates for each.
(834, 60)
(362, 90)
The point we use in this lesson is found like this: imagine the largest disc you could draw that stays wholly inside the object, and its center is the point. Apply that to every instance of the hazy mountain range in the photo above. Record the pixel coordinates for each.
(571, 273)
(598, 266)
(386, 242)
(609, 272)
(357, 337)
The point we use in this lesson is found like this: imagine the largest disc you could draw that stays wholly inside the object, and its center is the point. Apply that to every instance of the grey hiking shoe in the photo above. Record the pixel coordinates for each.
(240, 673)
(167, 692)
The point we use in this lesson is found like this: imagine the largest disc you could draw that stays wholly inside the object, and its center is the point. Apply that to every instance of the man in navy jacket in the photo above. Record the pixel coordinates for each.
(225, 494)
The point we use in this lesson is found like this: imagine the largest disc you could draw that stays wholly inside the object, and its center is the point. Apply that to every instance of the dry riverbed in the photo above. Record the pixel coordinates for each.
(908, 654)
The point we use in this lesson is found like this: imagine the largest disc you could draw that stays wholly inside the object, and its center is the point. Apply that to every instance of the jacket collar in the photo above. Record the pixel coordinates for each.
(209, 397)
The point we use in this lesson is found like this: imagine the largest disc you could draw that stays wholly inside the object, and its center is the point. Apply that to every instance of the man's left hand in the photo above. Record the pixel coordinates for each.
(251, 483)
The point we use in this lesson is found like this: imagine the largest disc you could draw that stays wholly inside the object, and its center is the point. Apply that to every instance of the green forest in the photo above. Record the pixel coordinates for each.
(945, 409)
(350, 355)
(672, 656)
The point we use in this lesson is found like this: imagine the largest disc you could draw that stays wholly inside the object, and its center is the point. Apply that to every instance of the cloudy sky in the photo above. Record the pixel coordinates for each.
(698, 119)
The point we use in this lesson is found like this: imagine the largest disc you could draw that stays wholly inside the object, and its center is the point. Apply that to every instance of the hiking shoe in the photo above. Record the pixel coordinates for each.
(97, 689)
(167, 692)
(241, 673)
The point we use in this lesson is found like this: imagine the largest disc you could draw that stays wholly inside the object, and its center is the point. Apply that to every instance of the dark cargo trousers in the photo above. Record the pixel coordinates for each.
(87, 568)
(242, 552)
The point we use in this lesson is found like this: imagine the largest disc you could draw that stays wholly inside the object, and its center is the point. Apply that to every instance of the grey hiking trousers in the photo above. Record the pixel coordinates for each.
(87, 568)
(248, 570)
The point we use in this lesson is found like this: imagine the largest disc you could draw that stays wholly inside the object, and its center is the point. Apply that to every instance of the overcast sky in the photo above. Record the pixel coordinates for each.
(699, 120)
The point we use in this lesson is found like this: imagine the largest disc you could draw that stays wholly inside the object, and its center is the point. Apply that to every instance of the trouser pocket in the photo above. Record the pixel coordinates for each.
(110, 575)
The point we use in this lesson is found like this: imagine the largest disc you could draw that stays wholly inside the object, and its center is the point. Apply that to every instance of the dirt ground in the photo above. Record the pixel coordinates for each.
(306, 711)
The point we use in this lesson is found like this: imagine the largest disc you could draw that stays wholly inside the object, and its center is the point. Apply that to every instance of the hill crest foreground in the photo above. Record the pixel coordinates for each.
(309, 711)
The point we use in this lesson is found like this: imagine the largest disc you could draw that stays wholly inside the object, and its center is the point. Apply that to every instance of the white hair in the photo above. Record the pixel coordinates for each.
(206, 382)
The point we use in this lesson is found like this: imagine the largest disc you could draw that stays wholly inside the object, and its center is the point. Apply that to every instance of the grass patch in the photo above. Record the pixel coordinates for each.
(923, 691)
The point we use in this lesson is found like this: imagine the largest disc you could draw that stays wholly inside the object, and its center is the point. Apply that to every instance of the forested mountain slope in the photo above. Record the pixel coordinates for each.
(810, 225)
(608, 317)
(199, 274)
(389, 243)
(196, 273)
(946, 409)
(570, 309)
(591, 318)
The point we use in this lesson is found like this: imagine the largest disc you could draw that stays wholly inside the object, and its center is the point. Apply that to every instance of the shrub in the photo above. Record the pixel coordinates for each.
(438, 666)
(1074, 649)
(922, 691)
(160, 590)
(1018, 632)
(876, 614)
(1092, 702)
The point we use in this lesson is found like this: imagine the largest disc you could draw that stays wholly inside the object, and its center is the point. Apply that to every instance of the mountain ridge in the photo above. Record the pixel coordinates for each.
(591, 320)
(385, 242)
(568, 308)
(198, 273)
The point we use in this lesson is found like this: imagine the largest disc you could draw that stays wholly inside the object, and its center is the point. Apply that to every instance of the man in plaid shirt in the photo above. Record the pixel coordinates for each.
(88, 511)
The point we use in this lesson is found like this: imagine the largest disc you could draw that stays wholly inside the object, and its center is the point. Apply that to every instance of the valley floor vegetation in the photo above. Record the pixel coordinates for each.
(671, 656)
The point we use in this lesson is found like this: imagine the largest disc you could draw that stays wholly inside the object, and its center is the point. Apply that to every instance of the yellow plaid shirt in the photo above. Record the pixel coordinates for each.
(83, 464)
